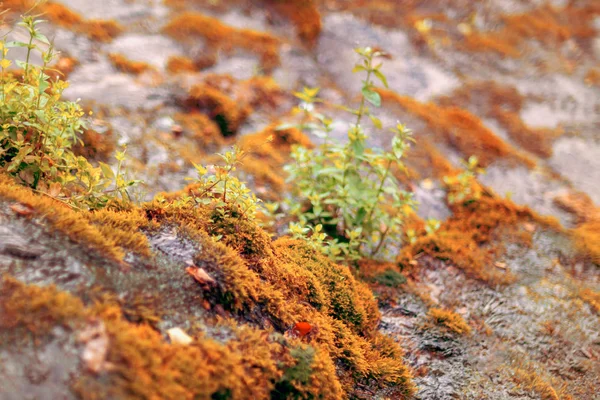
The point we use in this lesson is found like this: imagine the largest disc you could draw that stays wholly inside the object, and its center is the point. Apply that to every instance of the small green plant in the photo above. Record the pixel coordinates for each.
(217, 186)
(464, 188)
(346, 198)
(38, 129)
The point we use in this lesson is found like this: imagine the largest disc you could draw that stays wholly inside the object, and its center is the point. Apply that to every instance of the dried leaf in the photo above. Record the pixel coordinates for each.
(21, 209)
(201, 276)
(178, 336)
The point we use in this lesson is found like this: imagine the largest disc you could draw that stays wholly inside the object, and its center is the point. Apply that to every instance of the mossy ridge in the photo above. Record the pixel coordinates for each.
(282, 283)
(95, 29)
(449, 320)
(123, 64)
(108, 232)
(461, 238)
(188, 25)
(143, 365)
(504, 104)
(460, 129)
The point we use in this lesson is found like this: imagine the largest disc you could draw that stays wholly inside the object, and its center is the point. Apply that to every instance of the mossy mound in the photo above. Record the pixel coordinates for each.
(243, 318)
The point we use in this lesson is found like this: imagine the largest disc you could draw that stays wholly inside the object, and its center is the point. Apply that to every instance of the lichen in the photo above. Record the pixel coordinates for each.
(304, 14)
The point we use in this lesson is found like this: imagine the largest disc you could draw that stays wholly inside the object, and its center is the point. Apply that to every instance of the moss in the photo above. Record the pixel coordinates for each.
(285, 282)
(224, 110)
(267, 151)
(587, 240)
(37, 309)
(450, 320)
(547, 388)
(101, 30)
(548, 25)
(592, 77)
(461, 238)
(304, 14)
(123, 64)
(504, 104)
(95, 146)
(391, 278)
(460, 129)
(107, 232)
(592, 297)
(179, 64)
(61, 15)
(188, 25)
(201, 128)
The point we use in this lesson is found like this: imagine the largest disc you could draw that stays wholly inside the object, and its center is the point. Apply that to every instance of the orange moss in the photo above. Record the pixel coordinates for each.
(123, 64)
(592, 297)
(37, 309)
(179, 64)
(592, 77)
(304, 14)
(227, 112)
(450, 320)
(460, 129)
(106, 232)
(587, 240)
(101, 30)
(547, 389)
(61, 15)
(548, 25)
(267, 153)
(201, 128)
(187, 26)
(291, 283)
(95, 146)
(461, 237)
(424, 160)
(142, 365)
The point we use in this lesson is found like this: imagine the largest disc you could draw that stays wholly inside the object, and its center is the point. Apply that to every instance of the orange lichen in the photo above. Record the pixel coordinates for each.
(179, 64)
(450, 320)
(304, 14)
(460, 129)
(123, 64)
(187, 26)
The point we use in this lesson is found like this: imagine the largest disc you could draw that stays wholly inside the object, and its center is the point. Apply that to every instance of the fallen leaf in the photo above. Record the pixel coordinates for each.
(501, 265)
(21, 209)
(201, 276)
(96, 341)
(178, 336)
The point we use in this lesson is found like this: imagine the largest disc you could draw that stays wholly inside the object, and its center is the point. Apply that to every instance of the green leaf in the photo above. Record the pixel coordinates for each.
(381, 77)
(376, 121)
(107, 170)
(372, 97)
